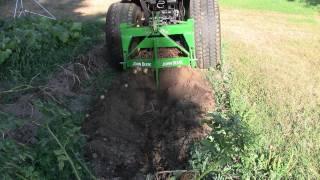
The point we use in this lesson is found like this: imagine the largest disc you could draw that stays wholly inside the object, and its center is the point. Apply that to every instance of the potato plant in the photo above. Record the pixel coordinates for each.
(31, 43)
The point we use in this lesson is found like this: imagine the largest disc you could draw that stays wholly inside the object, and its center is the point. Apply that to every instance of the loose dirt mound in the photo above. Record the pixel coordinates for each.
(136, 129)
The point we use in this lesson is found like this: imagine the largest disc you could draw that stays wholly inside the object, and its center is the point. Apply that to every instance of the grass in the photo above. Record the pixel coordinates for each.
(282, 6)
(266, 125)
(278, 109)
(273, 60)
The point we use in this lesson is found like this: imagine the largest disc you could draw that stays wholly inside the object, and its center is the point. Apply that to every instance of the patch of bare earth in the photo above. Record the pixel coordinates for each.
(138, 129)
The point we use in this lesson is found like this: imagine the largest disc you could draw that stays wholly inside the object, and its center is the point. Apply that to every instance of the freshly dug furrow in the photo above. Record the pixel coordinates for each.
(137, 129)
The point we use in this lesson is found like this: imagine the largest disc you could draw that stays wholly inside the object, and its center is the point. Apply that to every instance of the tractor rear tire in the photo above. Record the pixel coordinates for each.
(207, 32)
(119, 13)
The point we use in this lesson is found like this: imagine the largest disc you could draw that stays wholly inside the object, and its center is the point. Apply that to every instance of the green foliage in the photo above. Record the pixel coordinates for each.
(309, 2)
(271, 142)
(31, 46)
(219, 155)
(5, 54)
(8, 122)
(57, 153)
(278, 119)
(37, 46)
(233, 150)
(23, 38)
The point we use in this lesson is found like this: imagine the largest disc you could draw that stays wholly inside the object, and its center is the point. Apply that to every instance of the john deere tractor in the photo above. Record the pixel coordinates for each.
(157, 34)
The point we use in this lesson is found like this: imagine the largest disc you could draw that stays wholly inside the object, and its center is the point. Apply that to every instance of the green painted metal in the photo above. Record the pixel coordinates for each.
(155, 37)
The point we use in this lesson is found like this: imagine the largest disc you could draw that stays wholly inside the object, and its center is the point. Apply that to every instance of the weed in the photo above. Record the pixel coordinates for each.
(220, 154)
(37, 46)
(31, 46)
(57, 153)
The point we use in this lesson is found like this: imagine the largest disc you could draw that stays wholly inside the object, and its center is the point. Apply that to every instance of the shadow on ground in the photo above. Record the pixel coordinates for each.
(313, 2)
(310, 2)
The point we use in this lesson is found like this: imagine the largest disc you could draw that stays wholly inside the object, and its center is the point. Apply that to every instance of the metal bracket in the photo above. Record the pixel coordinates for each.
(145, 9)
(155, 37)
(21, 10)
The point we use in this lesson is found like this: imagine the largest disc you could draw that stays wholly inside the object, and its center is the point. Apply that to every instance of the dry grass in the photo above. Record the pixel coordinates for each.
(276, 63)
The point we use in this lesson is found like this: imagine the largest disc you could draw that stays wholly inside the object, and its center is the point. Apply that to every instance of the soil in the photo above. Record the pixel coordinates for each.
(163, 53)
(64, 87)
(135, 128)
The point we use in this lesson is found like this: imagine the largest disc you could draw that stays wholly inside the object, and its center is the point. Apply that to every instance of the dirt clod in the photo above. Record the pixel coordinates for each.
(138, 129)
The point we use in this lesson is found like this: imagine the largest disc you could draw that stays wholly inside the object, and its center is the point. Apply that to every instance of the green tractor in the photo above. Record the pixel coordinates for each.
(158, 34)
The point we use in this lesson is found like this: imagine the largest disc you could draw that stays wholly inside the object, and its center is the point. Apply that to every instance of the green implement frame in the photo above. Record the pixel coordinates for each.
(155, 37)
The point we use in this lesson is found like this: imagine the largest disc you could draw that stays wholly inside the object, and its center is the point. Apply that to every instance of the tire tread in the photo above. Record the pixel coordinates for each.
(207, 32)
